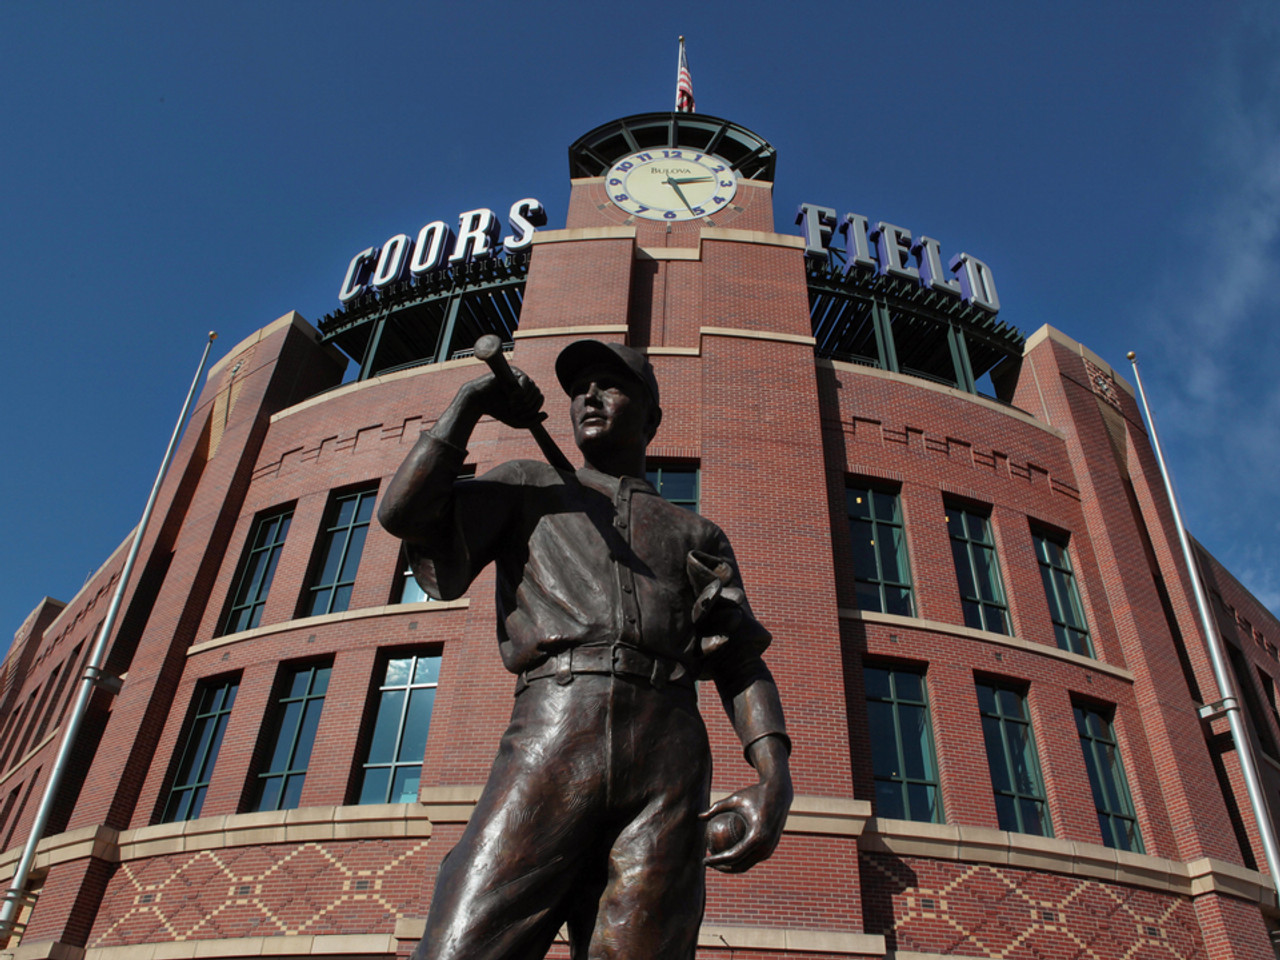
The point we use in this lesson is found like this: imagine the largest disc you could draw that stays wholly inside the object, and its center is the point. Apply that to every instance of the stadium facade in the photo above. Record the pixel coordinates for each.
(985, 636)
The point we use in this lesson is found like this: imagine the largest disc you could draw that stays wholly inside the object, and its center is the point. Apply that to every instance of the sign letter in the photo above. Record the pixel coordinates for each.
(391, 262)
(817, 222)
(434, 241)
(524, 216)
(357, 274)
(477, 235)
(893, 246)
(977, 285)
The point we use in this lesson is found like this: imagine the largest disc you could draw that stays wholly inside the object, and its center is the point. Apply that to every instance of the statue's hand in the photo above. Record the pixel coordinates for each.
(763, 807)
(516, 407)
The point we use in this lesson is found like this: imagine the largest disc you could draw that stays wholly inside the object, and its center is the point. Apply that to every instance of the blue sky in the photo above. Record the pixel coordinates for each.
(169, 169)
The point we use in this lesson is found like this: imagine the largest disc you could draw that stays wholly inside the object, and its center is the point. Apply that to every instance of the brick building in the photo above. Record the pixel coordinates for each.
(985, 636)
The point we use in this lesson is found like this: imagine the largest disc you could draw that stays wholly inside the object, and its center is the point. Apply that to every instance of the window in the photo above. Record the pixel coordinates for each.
(338, 557)
(678, 485)
(394, 766)
(902, 757)
(258, 569)
(1011, 757)
(1116, 817)
(213, 704)
(297, 716)
(407, 589)
(1065, 609)
(879, 550)
(1252, 705)
(977, 572)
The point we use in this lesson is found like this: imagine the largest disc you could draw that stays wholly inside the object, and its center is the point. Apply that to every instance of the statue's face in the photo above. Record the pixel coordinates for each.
(609, 412)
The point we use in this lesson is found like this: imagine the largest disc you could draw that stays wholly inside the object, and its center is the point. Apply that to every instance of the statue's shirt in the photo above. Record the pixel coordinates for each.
(581, 560)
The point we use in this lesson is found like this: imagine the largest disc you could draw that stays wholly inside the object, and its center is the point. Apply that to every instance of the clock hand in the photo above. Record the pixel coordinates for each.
(691, 180)
(675, 185)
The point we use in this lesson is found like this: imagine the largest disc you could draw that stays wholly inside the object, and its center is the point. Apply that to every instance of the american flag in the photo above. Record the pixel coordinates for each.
(684, 85)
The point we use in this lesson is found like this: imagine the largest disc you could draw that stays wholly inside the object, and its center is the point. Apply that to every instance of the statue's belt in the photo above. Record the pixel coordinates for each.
(617, 661)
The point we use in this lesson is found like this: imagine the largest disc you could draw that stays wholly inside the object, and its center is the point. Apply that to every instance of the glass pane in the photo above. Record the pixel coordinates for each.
(252, 578)
(868, 595)
(1024, 777)
(284, 736)
(1010, 703)
(320, 685)
(298, 683)
(346, 510)
(1033, 820)
(886, 505)
(986, 698)
(382, 747)
(889, 801)
(922, 800)
(341, 599)
(411, 592)
(915, 741)
(427, 670)
(973, 615)
(893, 554)
(197, 803)
(858, 502)
(679, 485)
(908, 685)
(292, 792)
(404, 788)
(877, 683)
(319, 603)
(414, 741)
(332, 554)
(996, 760)
(1006, 813)
(355, 546)
(884, 740)
(197, 747)
(307, 735)
(397, 672)
(374, 788)
(269, 794)
(864, 551)
(964, 573)
(985, 575)
(365, 512)
(897, 600)
(220, 728)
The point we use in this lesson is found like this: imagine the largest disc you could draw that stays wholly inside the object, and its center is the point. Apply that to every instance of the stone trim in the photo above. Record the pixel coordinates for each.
(233, 948)
(736, 938)
(292, 318)
(357, 385)
(303, 825)
(1015, 412)
(1047, 332)
(938, 841)
(584, 233)
(571, 331)
(828, 816)
(757, 335)
(759, 237)
(307, 623)
(671, 351)
(984, 636)
(669, 253)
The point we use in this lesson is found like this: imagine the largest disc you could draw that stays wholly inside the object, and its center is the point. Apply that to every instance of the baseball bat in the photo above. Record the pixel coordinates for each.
(489, 349)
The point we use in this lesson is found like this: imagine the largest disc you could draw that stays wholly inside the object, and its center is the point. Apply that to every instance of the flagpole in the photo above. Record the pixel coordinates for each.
(91, 678)
(1228, 704)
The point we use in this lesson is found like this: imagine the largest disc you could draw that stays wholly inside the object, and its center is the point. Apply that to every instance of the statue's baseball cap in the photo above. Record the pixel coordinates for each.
(622, 360)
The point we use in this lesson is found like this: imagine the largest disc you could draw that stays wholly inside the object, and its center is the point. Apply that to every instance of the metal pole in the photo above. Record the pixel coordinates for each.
(91, 678)
(1226, 689)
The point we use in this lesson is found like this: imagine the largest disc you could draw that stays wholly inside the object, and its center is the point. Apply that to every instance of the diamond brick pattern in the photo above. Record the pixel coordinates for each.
(311, 888)
(978, 910)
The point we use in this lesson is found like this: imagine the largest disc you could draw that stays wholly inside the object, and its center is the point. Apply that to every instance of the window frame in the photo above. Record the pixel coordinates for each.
(897, 522)
(281, 698)
(1062, 629)
(928, 753)
(223, 689)
(1090, 744)
(962, 541)
(239, 600)
(373, 711)
(331, 528)
(653, 474)
(1035, 792)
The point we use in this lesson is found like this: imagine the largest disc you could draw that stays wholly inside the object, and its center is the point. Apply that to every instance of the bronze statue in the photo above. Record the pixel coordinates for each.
(611, 604)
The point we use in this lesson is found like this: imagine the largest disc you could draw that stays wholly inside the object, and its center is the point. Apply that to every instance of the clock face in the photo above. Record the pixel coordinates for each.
(671, 184)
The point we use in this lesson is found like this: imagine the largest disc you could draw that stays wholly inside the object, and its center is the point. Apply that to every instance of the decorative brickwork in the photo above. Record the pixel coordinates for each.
(313, 888)
(978, 910)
